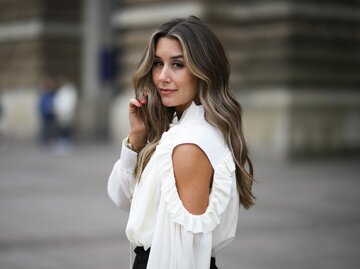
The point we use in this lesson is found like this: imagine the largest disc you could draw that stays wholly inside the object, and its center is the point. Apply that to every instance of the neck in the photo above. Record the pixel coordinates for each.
(181, 109)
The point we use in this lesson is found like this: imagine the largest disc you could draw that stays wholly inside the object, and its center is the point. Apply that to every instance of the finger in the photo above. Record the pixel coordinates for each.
(145, 97)
(133, 103)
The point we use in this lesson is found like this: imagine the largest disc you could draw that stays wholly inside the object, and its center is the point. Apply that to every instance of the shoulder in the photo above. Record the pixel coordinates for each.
(194, 129)
(190, 156)
(207, 137)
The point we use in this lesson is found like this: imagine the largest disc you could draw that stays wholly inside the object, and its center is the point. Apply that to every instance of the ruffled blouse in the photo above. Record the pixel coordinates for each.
(157, 217)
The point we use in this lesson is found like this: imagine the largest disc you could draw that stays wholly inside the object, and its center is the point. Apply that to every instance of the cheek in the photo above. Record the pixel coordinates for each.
(186, 79)
(192, 84)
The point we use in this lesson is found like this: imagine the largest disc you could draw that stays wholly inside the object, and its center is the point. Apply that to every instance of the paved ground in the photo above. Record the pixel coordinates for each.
(55, 213)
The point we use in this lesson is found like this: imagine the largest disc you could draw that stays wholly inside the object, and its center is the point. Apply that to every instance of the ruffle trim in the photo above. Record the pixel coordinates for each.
(218, 199)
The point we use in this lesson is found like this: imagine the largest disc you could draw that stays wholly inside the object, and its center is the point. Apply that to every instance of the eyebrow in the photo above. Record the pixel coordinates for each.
(173, 57)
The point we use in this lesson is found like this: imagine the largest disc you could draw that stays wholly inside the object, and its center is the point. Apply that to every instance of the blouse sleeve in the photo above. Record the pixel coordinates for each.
(181, 239)
(120, 183)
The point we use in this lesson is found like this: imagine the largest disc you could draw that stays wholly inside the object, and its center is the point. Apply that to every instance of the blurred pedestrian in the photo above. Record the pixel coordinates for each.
(65, 104)
(181, 173)
(46, 110)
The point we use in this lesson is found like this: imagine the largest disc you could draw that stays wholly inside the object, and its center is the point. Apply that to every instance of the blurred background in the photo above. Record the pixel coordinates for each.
(65, 80)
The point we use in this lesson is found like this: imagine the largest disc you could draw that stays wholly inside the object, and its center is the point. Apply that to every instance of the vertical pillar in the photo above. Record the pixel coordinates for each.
(96, 37)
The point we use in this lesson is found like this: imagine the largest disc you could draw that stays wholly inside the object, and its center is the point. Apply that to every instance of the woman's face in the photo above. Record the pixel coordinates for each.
(176, 84)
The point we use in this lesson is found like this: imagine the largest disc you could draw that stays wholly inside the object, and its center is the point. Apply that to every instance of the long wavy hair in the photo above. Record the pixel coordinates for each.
(205, 58)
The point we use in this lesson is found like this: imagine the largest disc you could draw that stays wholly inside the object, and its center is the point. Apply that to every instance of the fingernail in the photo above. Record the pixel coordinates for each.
(143, 100)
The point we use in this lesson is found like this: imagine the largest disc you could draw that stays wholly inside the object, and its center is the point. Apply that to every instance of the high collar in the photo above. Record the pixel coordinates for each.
(190, 114)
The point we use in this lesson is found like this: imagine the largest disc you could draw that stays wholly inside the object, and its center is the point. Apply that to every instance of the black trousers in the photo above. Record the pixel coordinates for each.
(142, 257)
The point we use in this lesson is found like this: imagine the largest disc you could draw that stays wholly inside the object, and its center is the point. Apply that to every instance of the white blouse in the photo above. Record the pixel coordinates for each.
(157, 217)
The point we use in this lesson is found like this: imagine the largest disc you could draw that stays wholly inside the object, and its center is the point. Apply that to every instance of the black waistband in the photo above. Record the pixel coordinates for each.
(144, 255)
(141, 250)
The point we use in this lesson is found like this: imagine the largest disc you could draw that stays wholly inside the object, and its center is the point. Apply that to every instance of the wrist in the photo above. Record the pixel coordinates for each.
(130, 146)
(134, 143)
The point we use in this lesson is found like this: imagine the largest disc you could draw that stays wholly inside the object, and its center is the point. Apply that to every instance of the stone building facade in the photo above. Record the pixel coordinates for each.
(295, 64)
(37, 38)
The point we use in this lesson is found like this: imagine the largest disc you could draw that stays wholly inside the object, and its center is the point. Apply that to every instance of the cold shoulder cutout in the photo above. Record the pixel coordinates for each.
(193, 174)
(221, 188)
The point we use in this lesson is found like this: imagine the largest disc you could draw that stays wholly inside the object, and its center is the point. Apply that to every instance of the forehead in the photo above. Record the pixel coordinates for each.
(168, 47)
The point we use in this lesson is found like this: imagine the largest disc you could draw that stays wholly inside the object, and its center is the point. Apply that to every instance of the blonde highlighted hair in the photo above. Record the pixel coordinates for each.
(205, 58)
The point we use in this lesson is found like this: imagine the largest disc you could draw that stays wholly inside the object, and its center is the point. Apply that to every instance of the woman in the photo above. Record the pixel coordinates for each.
(181, 173)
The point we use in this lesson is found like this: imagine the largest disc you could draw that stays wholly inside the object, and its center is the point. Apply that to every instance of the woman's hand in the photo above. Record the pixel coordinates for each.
(138, 132)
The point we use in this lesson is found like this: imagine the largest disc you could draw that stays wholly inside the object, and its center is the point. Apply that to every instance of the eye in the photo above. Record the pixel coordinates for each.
(158, 63)
(178, 65)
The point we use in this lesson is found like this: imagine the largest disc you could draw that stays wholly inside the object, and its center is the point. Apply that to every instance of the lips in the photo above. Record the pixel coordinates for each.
(166, 91)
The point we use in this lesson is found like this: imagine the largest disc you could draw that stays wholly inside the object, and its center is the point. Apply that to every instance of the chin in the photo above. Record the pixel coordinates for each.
(168, 103)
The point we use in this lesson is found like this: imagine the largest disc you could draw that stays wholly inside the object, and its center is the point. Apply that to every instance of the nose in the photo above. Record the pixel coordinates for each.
(164, 75)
